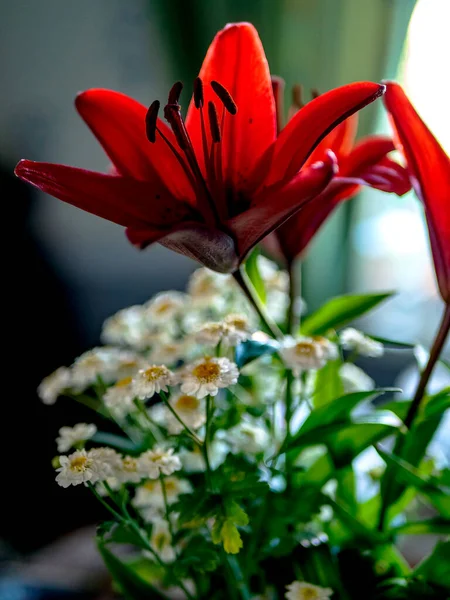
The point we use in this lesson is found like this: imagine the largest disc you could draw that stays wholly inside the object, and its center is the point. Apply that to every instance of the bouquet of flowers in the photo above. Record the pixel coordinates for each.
(237, 449)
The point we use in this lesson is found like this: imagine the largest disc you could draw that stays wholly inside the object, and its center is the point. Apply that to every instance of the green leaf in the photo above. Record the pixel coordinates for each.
(252, 269)
(252, 349)
(436, 525)
(334, 433)
(235, 513)
(359, 531)
(340, 311)
(436, 568)
(131, 585)
(427, 486)
(328, 384)
(389, 342)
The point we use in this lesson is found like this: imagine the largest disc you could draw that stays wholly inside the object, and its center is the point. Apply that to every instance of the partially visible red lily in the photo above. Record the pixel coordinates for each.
(365, 162)
(429, 168)
(213, 186)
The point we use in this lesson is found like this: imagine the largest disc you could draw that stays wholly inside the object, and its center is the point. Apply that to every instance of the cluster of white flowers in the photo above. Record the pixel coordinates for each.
(106, 465)
(307, 353)
(233, 330)
(356, 341)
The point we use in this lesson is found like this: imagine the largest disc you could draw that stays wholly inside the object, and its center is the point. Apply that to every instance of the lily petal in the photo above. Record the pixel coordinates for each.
(340, 141)
(312, 123)
(270, 210)
(429, 167)
(122, 200)
(236, 60)
(367, 152)
(118, 122)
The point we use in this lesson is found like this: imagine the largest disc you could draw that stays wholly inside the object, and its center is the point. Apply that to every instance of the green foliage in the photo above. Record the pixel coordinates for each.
(252, 270)
(131, 585)
(250, 350)
(340, 311)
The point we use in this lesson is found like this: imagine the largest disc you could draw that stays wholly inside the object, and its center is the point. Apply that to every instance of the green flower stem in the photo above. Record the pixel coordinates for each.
(435, 352)
(288, 418)
(132, 523)
(166, 509)
(189, 431)
(109, 508)
(413, 411)
(141, 408)
(246, 286)
(241, 584)
(205, 445)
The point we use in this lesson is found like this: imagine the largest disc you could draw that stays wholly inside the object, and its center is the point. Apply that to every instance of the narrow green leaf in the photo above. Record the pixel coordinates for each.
(252, 269)
(328, 384)
(340, 311)
(437, 525)
(132, 586)
(427, 486)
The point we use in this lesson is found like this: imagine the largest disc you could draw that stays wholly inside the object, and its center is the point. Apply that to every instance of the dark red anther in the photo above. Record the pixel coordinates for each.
(175, 93)
(315, 93)
(225, 97)
(213, 122)
(198, 93)
(173, 117)
(150, 121)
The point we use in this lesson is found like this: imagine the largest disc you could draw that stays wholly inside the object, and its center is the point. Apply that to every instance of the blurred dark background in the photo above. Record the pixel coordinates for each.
(66, 270)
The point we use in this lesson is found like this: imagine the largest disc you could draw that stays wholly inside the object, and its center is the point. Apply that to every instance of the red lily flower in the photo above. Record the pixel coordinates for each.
(429, 168)
(365, 162)
(213, 186)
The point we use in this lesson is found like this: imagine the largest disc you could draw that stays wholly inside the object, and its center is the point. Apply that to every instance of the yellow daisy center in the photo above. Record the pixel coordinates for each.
(164, 307)
(79, 464)
(129, 464)
(124, 382)
(309, 594)
(151, 485)
(171, 485)
(154, 373)
(160, 540)
(237, 321)
(305, 349)
(206, 372)
(187, 403)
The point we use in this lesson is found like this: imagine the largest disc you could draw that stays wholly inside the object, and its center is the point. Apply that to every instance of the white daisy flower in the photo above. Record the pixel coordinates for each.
(168, 352)
(118, 398)
(153, 463)
(106, 362)
(303, 354)
(112, 483)
(152, 380)
(123, 327)
(190, 409)
(72, 436)
(81, 467)
(233, 330)
(207, 375)
(247, 437)
(274, 278)
(205, 286)
(300, 590)
(129, 470)
(150, 495)
(354, 340)
(355, 379)
(54, 384)
(165, 306)
(161, 540)
(108, 457)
